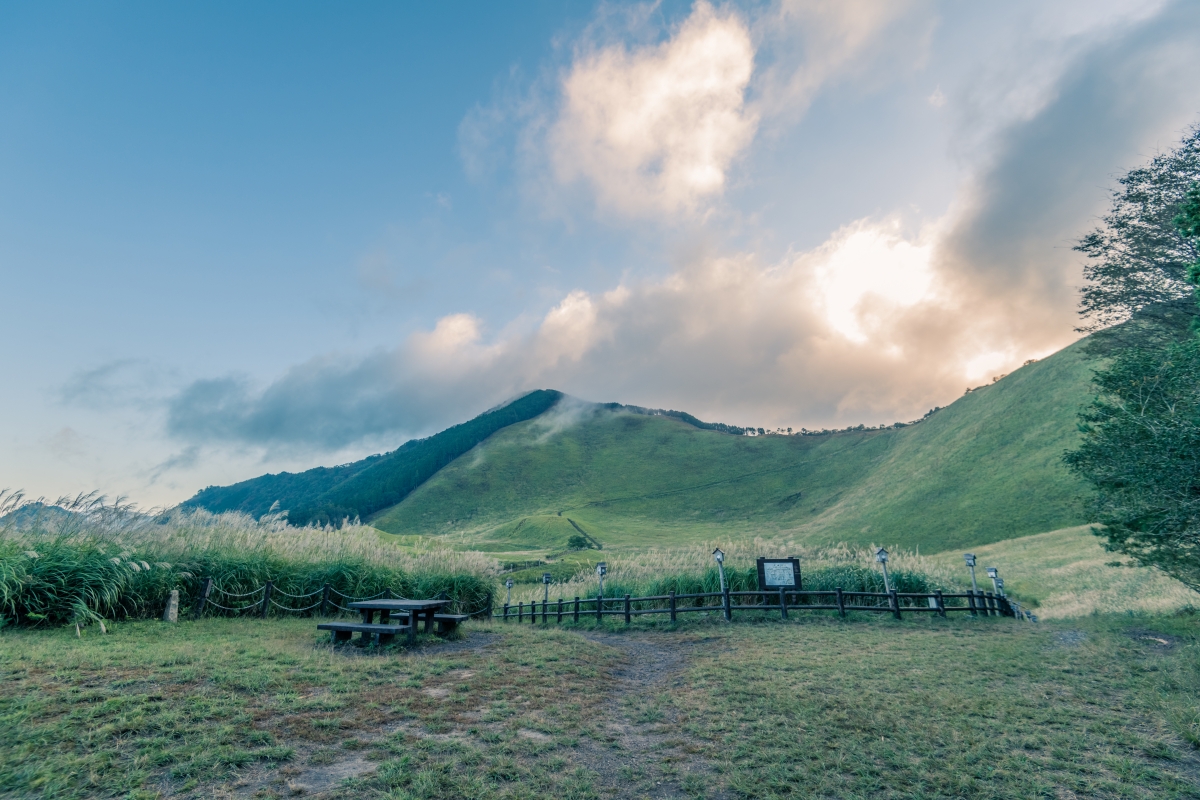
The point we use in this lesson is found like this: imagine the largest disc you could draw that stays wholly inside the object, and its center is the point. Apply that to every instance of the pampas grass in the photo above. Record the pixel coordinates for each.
(82, 560)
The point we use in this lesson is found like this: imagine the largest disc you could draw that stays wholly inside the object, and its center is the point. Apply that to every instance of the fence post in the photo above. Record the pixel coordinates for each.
(506, 612)
(387, 593)
(490, 607)
(941, 603)
(599, 608)
(971, 603)
(782, 604)
(267, 597)
(171, 612)
(545, 607)
(533, 612)
(728, 607)
(627, 609)
(202, 600)
(895, 602)
(993, 611)
(577, 608)
(560, 610)
(841, 601)
(672, 605)
(520, 612)
(325, 599)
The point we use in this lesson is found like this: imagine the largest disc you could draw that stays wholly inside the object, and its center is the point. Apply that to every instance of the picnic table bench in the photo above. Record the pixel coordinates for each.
(409, 612)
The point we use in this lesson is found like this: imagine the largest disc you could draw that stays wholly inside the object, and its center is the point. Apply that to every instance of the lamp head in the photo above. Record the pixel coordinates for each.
(992, 572)
(547, 577)
(719, 555)
(602, 569)
(508, 583)
(969, 558)
(881, 555)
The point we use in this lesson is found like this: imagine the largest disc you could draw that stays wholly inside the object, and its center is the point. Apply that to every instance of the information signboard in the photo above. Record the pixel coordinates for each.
(776, 573)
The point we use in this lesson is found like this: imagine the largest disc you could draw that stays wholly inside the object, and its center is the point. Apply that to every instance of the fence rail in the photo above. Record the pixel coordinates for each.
(781, 601)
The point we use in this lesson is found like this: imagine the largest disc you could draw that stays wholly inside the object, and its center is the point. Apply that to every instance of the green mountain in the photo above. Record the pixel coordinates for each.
(331, 494)
(531, 475)
(984, 469)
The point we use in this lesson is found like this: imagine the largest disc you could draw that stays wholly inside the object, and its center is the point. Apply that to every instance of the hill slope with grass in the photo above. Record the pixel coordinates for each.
(987, 468)
(331, 494)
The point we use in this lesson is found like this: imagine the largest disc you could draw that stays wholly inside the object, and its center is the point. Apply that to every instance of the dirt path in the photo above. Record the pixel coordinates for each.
(639, 751)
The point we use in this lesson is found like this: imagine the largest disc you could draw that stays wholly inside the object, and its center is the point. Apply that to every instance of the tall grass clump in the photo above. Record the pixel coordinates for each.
(83, 560)
(691, 570)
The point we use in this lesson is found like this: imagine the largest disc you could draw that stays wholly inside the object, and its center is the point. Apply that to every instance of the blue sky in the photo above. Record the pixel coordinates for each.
(238, 239)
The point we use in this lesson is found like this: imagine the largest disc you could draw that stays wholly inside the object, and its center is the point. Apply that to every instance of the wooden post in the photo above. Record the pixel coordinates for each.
(599, 608)
(489, 610)
(267, 597)
(577, 608)
(895, 601)
(545, 607)
(560, 610)
(627, 617)
(841, 603)
(202, 600)
(387, 594)
(971, 603)
(990, 602)
(325, 590)
(941, 603)
(672, 605)
(171, 612)
(533, 612)
(520, 612)
(782, 604)
(506, 612)
(728, 607)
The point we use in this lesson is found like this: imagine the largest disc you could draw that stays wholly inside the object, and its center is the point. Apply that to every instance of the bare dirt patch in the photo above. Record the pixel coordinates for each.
(637, 749)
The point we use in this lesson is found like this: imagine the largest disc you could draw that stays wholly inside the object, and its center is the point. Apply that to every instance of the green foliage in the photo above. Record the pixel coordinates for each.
(95, 569)
(329, 495)
(1141, 453)
(984, 469)
(1138, 259)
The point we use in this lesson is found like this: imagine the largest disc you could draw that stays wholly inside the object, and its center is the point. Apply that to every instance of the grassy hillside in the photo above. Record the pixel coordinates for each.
(985, 469)
(330, 494)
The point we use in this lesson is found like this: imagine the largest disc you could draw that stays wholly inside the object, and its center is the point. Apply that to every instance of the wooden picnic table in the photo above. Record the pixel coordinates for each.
(415, 609)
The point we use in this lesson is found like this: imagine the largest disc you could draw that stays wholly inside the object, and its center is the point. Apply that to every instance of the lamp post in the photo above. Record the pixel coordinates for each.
(994, 574)
(546, 578)
(970, 559)
(508, 597)
(601, 571)
(719, 555)
(881, 555)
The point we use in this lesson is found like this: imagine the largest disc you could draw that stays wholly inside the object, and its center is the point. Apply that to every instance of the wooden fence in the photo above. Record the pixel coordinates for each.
(783, 601)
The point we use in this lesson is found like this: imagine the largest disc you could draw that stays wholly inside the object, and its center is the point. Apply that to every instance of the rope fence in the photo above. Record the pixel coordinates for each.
(327, 604)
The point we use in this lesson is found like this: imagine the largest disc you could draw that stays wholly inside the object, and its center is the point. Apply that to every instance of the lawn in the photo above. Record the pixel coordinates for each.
(1104, 706)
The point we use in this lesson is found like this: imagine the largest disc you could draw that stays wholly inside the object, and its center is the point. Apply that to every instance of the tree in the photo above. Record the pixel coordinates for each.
(1141, 454)
(1141, 436)
(1138, 258)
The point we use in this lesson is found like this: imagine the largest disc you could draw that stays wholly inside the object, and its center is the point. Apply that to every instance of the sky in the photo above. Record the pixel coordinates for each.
(238, 239)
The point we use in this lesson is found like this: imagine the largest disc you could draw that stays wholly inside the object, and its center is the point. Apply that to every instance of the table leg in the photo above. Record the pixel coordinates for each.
(429, 620)
(385, 616)
(367, 614)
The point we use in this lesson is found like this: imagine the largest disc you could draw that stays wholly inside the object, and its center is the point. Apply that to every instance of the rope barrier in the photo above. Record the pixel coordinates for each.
(297, 596)
(227, 608)
(231, 594)
(372, 597)
(296, 610)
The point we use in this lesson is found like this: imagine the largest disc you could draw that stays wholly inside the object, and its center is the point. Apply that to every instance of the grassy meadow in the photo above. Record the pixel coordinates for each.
(815, 707)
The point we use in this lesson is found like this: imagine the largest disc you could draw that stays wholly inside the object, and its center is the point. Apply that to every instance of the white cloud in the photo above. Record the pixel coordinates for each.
(656, 128)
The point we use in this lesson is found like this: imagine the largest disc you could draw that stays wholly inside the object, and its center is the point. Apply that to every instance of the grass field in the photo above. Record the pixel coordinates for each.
(1067, 573)
(1104, 707)
(987, 468)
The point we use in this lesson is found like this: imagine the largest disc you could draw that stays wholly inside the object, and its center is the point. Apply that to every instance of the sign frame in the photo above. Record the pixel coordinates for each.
(762, 574)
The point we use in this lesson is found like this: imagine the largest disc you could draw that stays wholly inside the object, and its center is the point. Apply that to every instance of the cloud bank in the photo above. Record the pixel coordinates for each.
(883, 320)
